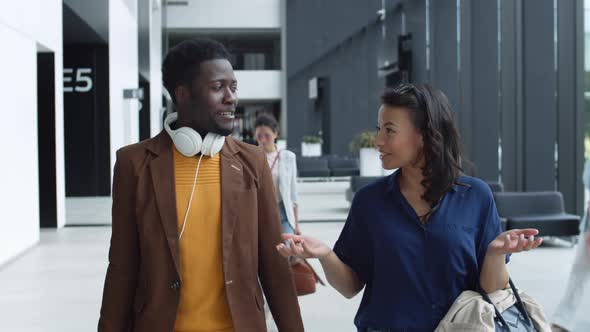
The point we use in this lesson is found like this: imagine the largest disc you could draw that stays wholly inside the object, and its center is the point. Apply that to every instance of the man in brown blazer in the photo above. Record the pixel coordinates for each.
(194, 231)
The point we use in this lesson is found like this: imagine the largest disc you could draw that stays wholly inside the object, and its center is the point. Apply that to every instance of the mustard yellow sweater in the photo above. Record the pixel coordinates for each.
(203, 302)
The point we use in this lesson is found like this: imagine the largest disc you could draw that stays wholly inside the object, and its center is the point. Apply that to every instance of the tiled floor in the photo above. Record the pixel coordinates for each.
(57, 285)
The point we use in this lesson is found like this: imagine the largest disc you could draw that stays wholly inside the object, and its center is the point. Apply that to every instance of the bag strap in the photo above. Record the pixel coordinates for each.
(276, 159)
(498, 316)
(519, 305)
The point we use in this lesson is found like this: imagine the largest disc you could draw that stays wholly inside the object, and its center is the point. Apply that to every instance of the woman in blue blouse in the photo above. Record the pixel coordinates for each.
(419, 237)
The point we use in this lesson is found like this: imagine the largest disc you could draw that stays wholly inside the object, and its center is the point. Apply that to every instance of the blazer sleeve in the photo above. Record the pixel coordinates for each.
(122, 272)
(274, 272)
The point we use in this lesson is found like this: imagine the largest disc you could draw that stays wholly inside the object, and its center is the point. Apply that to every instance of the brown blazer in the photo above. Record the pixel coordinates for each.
(143, 284)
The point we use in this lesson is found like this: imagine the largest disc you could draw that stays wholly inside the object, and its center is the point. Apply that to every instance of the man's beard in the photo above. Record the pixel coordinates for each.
(217, 129)
(214, 127)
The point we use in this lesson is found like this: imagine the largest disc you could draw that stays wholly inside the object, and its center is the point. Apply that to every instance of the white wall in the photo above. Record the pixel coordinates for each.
(225, 14)
(155, 69)
(35, 19)
(25, 27)
(19, 197)
(123, 74)
(259, 84)
(284, 94)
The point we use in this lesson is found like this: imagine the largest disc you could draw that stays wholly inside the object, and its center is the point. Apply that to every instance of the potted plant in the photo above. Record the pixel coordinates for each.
(369, 163)
(311, 146)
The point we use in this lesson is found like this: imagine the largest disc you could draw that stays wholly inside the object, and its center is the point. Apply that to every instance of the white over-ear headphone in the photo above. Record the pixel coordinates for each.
(189, 142)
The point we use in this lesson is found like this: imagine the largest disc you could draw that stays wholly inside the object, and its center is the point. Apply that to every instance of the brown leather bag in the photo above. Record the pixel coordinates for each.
(304, 276)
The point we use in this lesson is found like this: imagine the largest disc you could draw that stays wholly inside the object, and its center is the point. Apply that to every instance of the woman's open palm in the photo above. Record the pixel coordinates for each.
(514, 241)
(303, 246)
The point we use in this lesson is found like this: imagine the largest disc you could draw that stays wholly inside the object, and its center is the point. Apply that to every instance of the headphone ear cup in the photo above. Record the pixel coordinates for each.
(187, 141)
(212, 144)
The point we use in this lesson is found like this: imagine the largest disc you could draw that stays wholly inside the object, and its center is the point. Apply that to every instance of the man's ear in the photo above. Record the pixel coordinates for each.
(181, 93)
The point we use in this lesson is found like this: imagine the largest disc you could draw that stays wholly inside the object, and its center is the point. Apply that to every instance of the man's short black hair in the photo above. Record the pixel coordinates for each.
(181, 64)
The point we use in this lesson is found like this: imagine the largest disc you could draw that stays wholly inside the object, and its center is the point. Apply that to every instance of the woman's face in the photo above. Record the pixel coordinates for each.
(398, 141)
(265, 136)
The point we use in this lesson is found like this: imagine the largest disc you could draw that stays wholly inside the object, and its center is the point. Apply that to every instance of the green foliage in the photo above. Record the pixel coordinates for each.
(310, 139)
(366, 139)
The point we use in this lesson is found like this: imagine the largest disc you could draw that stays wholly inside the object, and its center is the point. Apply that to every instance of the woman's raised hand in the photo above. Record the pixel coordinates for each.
(515, 241)
(303, 246)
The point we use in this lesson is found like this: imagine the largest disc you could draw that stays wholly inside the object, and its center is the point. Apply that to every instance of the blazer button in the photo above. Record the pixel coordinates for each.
(175, 285)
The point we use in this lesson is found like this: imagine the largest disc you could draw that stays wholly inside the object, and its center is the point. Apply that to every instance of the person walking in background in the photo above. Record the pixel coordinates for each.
(580, 272)
(418, 238)
(283, 167)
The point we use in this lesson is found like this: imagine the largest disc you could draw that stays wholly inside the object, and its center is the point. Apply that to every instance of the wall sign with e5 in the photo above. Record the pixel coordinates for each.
(78, 80)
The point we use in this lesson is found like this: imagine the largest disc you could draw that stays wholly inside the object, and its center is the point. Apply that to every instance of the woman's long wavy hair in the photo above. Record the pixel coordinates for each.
(431, 114)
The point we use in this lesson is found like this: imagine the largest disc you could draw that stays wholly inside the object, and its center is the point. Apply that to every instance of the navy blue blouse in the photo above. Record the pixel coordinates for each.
(414, 272)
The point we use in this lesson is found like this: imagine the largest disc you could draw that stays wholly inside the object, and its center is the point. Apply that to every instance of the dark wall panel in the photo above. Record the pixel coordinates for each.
(539, 80)
(353, 95)
(509, 82)
(578, 46)
(444, 50)
(46, 139)
(315, 28)
(416, 26)
(568, 115)
(86, 120)
(494, 59)
(485, 85)
(465, 109)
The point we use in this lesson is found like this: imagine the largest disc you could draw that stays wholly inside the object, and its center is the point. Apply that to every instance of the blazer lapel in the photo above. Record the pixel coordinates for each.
(232, 181)
(162, 171)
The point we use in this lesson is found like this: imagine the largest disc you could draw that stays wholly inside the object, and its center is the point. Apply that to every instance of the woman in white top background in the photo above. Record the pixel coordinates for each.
(283, 168)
